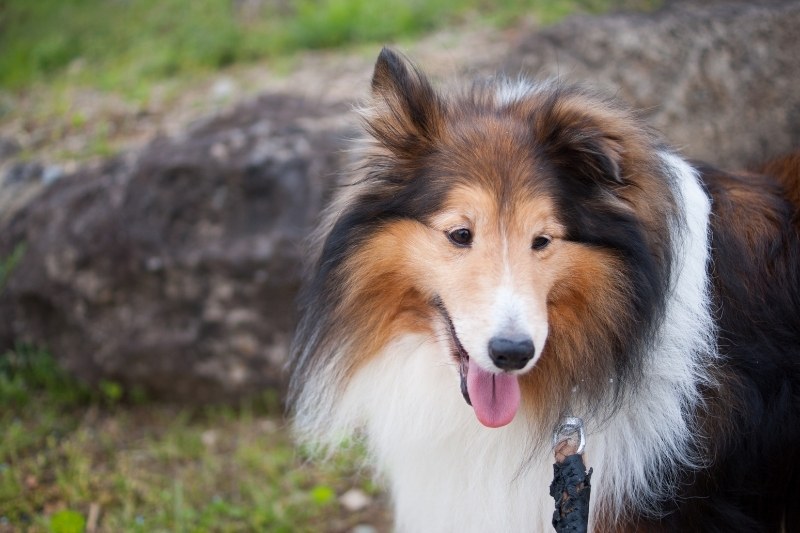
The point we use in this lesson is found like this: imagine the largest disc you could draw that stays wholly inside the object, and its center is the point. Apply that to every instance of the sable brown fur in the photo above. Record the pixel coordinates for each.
(512, 152)
(785, 171)
(583, 171)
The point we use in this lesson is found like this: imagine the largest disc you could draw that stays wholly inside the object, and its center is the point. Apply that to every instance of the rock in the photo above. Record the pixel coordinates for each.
(355, 500)
(51, 173)
(223, 89)
(175, 269)
(364, 528)
(22, 172)
(720, 79)
(8, 148)
(209, 438)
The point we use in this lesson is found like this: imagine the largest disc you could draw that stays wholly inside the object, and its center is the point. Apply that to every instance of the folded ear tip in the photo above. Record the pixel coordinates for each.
(388, 66)
(405, 102)
(386, 54)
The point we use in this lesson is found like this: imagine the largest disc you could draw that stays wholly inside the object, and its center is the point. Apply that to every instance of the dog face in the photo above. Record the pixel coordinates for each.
(492, 273)
(513, 225)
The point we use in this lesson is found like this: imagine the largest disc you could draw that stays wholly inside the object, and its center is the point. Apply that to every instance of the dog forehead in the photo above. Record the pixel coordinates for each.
(499, 152)
(475, 203)
(487, 136)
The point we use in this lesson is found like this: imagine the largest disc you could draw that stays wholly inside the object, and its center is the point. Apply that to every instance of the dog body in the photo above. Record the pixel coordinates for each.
(504, 257)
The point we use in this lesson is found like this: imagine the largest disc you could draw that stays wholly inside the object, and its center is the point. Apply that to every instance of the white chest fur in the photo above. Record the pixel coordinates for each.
(446, 472)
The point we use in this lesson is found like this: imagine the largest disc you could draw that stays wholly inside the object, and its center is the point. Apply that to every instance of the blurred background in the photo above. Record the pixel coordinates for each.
(162, 162)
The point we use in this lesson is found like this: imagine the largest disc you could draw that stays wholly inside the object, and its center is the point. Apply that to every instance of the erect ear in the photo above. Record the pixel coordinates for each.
(407, 112)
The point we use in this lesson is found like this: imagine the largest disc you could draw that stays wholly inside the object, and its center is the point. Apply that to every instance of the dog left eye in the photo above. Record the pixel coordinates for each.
(460, 237)
(541, 242)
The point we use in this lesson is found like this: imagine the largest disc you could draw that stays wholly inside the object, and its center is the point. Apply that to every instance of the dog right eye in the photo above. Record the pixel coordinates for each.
(460, 237)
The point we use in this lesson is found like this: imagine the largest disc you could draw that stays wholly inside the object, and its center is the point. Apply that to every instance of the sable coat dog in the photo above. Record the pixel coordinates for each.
(516, 252)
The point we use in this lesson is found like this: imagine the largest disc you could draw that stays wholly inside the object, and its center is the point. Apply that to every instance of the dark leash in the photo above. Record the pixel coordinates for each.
(570, 487)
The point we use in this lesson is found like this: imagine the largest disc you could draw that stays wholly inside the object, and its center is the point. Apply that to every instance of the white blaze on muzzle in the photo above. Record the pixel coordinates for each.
(512, 339)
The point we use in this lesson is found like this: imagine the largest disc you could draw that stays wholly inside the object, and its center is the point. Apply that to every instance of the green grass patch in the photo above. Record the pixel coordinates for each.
(125, 45)
(67, 449)
(83, 76)
(9, 263)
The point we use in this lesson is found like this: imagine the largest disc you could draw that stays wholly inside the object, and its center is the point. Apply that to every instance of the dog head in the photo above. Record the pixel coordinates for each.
(525, 227)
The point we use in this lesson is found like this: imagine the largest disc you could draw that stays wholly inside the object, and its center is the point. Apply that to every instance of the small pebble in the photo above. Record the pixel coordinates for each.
(223, 88)
(209, 438)
(51, 173)
(219, 152)
(355, 500)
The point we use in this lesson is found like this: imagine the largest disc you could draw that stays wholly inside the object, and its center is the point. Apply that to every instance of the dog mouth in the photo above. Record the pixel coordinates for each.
(461, 355)
(495, 397)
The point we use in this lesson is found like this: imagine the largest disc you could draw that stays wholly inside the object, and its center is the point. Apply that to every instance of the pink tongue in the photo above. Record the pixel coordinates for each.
(495, 397)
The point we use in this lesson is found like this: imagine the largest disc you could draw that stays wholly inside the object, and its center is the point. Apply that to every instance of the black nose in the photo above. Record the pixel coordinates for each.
(511, 353)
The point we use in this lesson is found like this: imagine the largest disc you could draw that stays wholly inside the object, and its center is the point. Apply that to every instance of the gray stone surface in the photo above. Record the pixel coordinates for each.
(720, 79)
(176, 269)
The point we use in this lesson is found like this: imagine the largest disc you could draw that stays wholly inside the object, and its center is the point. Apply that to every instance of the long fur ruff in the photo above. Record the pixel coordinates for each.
(544, 212)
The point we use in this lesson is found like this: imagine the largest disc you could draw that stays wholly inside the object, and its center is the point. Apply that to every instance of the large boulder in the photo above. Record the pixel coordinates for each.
(175, 267)
(720, 79)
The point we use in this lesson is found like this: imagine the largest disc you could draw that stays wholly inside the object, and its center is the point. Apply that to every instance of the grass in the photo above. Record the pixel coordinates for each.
(77, 459)
(9, 263)
(125, 45)
(81, 78)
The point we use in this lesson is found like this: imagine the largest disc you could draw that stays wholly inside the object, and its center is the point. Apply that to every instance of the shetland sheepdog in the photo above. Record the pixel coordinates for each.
(516, 252)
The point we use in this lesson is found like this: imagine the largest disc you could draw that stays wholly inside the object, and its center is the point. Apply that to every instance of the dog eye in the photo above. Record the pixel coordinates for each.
(460, 237)
(541, 242)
